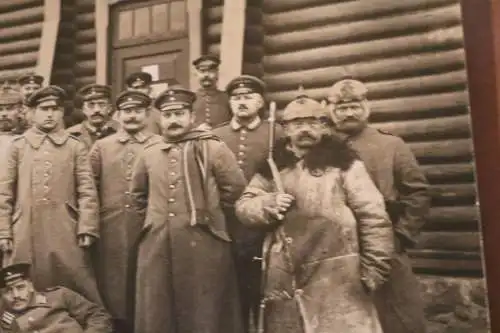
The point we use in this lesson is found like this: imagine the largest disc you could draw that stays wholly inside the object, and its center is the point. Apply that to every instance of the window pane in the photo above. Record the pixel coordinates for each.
(160, 18)
(125, 25)
(178, 15)
(142, 22)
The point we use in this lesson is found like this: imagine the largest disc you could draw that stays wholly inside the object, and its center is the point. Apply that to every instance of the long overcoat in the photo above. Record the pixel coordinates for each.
(47, 198)
(329, 254)
(396, 173)
(185, 273)
(112, 160)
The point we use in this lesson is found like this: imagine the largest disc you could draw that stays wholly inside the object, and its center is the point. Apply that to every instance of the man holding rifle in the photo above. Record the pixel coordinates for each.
(329, 238)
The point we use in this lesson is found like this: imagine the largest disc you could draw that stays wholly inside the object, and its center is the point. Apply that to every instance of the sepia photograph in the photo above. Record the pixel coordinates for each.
(238, 166)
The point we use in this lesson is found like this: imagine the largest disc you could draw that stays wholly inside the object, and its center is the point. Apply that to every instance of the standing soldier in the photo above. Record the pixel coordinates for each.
(185, 272)
(396, 173)
(48, 200)
(112, 159)
(10, 106)
(211, 107)
(247, 136)
(141, 81)
(28, 83)
(97, 108)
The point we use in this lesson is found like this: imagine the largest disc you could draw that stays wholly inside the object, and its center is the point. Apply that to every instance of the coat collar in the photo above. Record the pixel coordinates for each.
(236, 126)
(208, 92)
(124, 137)
(35, 137)
(109, 126)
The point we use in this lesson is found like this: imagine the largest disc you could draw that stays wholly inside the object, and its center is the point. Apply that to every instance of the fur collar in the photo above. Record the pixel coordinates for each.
(329, 152)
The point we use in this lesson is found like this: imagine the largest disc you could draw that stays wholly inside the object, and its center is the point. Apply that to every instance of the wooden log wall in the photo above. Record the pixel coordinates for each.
(85, 52)
(253, 51)
(212, 24)
(20, 33)
(410, 54)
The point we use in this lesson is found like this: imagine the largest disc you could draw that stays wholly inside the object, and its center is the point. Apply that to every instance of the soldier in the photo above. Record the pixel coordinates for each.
(48, 200)
(185, 272)
(211, 107)
(28, 83)
(112, 159)
(7, 84)
(141, 81)
(97, 107)
(396, 173)
(10, 106)
(330, 238)
(56, 309)
(247, 135)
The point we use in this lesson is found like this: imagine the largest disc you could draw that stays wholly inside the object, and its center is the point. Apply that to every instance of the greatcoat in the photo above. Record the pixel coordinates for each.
(55, 310)
(333, 248)
(211, 107)
(47, 198)
(112, 160)
(88, 134)
(185, 273)
(396, 173)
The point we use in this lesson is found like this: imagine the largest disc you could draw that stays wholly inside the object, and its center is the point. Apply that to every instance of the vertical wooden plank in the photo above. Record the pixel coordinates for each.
(48, 42)
(195, 32)
(102, 45)
(482, 18)
(232, 40)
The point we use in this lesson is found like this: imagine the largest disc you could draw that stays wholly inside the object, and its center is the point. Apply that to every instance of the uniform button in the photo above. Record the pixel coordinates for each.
(173, 160)
(240, 162)
(127, 192)
(46, 175)
(127, 206)
(128, 178)
(171, 186)
(171, 200)
(241, 153)
(172, 173)
(171, 214)
(243, 131)
(242, 146)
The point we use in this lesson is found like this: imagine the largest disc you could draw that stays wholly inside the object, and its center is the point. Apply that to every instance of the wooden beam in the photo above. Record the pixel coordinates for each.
(195, 32)
(101, 27)
(48, 41)
(482, 18)
(232, 40)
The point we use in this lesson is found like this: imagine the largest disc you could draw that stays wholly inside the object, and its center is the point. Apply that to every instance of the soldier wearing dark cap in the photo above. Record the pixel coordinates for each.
(395, 170)
(211, 107)
(180, 185)
(141, 81)
(97, 108)
(10, 107)
(48, 200)
(28, 83)
(112, 160)
(56, 309)
(247, 135)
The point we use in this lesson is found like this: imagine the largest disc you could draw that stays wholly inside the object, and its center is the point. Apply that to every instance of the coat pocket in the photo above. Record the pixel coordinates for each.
(72, 212)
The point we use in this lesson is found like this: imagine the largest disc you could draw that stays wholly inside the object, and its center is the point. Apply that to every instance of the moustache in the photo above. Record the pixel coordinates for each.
(174, 126)
(306, 135)
(97, 114)
(131, 121)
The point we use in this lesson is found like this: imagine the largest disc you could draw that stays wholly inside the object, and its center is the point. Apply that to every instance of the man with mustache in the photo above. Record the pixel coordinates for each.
(28, 83)
(48, 200)
(395, 171)
(10, 106)
(247, 135)
(55, 309)
(97, 108)
(186, 280)
(329, 237)
(141, 81)
(112, 160)
(211, 107)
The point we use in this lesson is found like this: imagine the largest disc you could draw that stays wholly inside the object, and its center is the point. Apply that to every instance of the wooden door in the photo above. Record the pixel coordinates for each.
(150, 36)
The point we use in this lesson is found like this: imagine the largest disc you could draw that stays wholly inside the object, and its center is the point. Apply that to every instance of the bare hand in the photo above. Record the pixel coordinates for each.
(6, 245)
(204, 127)
(85, 241)
(282, 203)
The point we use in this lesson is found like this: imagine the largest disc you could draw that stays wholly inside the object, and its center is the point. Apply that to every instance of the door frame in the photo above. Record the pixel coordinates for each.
(104, 63)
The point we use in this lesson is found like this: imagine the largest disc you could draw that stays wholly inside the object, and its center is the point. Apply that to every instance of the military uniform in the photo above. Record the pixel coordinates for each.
(211, 106)
(86, 132)
(57, 309)
(397, 175)
(28, 83)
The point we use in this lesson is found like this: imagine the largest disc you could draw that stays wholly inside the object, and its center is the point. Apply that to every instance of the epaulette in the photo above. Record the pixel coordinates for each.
(71, 135)
(52, 288)
(7, 319)
(385, 132)
(152, 143)
(222, 124)
(18, 137)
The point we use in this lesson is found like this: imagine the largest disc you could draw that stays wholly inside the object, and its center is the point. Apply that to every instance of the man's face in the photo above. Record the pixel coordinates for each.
(97, 111)
(350, 117)
(304, 132)
(145, 89)
(29, 88)
(7, 85)
(18, 295)
(133, 119)
(176, 123)
(207, 76)
(246, 106)
(47, 117)
(9, 116)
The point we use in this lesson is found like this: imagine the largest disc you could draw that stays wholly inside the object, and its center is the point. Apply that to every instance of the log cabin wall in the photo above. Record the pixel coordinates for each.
(20, 33)
(85, 52)
(253, 51)
(212, 26)
(410, 54)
